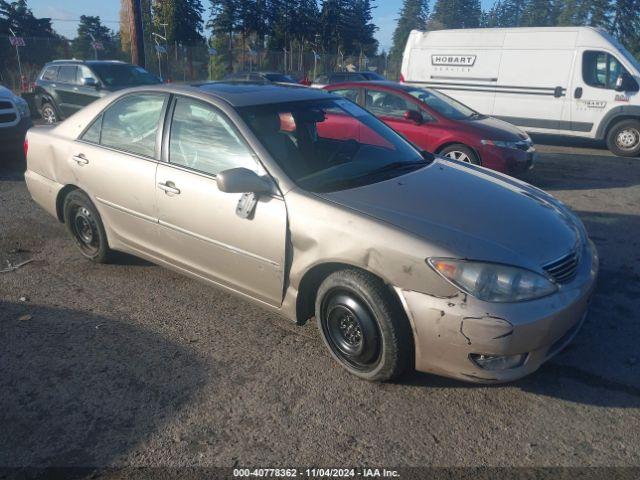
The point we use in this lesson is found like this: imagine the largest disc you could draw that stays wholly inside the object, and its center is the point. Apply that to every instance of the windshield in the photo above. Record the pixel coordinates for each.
(278, 77)
(372, 76)
(443, 104)
(332, 144)
(121, 75)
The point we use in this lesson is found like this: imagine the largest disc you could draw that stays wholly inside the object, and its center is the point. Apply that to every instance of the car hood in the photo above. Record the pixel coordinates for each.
(470, 212)
(494, 129)
(5, 92)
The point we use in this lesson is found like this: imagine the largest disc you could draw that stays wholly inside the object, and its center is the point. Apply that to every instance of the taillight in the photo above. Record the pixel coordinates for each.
(401, 78)
(25, 145)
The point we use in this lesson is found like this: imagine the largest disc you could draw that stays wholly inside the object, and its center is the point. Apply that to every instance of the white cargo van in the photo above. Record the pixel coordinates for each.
(575, 81)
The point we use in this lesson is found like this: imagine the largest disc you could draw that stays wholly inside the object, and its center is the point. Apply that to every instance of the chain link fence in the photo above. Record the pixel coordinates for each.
(19, 67)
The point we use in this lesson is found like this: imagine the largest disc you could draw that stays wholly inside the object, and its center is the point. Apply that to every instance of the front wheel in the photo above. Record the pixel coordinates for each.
(362, 325)
(460, 152)
(624, 138)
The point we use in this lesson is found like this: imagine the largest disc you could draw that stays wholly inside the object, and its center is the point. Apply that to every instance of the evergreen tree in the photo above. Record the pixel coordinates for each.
(19, 17)
(360, 31)
(413, 16)
(457, 13)
(90, 28)
(183, 19)
(626, 24)
(538, 13)
(600, 13)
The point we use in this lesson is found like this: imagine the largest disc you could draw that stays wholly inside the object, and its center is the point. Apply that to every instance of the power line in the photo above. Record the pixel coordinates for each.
(77, 20)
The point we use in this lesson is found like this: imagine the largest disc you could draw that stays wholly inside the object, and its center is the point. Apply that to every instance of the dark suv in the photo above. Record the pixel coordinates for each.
(65, 86)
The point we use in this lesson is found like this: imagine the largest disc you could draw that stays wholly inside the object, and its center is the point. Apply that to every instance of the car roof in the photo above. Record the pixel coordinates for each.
(75, 61)
(245, 94)
(374, 83)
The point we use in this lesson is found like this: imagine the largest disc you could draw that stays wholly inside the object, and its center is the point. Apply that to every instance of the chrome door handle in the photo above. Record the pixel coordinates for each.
(169, 187)
(80, 159)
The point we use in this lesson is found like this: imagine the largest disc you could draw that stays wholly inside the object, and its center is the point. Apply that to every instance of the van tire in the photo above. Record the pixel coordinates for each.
(363, 326)
(460, 152)
(623, 139)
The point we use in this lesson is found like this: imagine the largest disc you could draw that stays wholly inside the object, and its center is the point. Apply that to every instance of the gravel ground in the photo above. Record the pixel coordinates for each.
(131, 364)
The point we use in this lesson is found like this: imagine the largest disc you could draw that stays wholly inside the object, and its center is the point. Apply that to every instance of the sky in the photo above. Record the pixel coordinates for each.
(67, 12)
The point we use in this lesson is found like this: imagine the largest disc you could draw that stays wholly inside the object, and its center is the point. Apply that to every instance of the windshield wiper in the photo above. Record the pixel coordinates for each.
(476, 115)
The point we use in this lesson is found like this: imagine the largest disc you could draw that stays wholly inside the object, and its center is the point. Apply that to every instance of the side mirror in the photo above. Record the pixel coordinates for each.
(242, 180)
(414, 116)
(89, 82)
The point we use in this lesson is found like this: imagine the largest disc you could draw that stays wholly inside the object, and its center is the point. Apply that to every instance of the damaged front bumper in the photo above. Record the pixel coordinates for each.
(452, 334)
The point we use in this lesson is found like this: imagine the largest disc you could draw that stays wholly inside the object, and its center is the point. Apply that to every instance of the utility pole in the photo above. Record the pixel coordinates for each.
(137, 34)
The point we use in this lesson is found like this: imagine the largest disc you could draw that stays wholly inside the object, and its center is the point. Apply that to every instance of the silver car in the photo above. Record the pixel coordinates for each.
(305, 203)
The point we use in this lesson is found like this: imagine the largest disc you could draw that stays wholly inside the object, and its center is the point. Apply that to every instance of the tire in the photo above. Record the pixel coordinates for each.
(363, 326)
(460, 152)
(49, 113)
(85, 226)
(623, 138)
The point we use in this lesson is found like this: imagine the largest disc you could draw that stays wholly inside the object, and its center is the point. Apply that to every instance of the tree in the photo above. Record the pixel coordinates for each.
(600, 13)
(90, 28)
(413, 16)
(19, 17)
(359, 34)
(223, 22)
(183, 19)
(538, 13)
(457, 13)
(626, 24)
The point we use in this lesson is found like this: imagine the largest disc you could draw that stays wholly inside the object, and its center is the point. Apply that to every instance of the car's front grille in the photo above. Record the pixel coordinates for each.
(564, 269)
(8, 114)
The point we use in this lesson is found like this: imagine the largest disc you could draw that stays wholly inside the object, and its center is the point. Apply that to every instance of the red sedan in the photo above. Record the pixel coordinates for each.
(439, 124)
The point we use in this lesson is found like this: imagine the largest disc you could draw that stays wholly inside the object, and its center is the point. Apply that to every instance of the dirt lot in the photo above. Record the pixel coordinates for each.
(131, 364)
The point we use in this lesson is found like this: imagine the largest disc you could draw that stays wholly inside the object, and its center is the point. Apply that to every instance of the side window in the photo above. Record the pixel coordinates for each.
(387, 104)
(600, 69)
(92, 134)
(203, 139)
(50, 74)
(85, 72)
(131, 124)
(68, 74)
(350, 93)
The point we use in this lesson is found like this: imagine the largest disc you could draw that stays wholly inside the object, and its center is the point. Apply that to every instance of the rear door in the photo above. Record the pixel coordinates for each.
(115, 161)
(66, 89)
(200, 230)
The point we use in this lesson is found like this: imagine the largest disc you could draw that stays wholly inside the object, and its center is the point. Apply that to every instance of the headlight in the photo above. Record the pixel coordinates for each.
(493, 282)
(501, 143)
(23, 107)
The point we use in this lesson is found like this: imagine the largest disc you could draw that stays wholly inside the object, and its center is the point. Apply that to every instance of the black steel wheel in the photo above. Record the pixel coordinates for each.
(350, 329)
(363, 325)
(85, 225)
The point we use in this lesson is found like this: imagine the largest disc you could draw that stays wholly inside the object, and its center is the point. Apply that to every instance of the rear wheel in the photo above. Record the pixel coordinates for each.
(362, 325)
(85, 225)
(49, 113)
(623, 138)
(460, 152)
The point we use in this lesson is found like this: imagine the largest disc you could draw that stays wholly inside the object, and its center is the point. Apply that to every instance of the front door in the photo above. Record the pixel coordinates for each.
(66, 89)
(200, 230)
(391, 108)
(594, 91)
